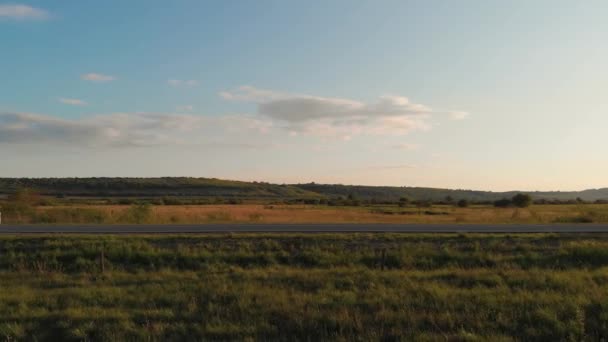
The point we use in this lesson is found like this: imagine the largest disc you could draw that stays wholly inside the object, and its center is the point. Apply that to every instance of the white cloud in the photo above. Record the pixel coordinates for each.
(22, 12)
(335, 117)
(278, 113)
(184, 108)
(458, 115)
(116, 129)
(131, 129)
(73, 102)
(184, 83)
(252, 94)
(94, 77)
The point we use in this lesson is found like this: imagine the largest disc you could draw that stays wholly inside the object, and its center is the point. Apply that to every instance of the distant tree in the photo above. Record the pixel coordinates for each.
(463, 203)
(503, 203)
(449, 199)
(423, 204)
(522, 200)
(403, 201)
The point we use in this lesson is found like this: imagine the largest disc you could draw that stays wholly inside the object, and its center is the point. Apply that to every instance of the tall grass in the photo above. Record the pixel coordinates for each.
(168, 214)
(304, 287)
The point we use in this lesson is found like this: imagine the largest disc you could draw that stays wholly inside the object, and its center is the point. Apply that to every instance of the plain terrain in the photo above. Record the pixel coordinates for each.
(302, 287)
(254, 213)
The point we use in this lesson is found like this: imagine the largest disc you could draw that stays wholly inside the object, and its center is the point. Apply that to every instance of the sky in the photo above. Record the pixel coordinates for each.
(487, 95)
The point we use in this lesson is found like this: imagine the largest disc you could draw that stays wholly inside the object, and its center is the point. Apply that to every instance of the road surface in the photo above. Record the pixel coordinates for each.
(305, 228)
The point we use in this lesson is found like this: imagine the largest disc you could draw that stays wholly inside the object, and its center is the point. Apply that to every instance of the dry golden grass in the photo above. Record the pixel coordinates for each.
(383, 214)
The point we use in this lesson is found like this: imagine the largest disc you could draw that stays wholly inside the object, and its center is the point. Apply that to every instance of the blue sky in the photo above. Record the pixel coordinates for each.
(470, 94)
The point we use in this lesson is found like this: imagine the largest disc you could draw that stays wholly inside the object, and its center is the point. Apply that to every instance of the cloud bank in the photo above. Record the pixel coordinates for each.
(338, 117)
(22, 12)
(119, 129)
(136, 130)
(72, 102)
(279, 116)
(95, 77)
(184, 108)
(184, 83)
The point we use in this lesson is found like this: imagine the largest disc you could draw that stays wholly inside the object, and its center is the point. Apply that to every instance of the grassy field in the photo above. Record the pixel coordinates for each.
(250, 213)
(304, 287)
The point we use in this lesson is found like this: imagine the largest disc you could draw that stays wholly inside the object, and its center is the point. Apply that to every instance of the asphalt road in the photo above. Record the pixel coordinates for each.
(304, 228)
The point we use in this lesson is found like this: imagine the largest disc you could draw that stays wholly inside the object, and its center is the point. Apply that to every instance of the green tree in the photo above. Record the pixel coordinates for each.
(463, 203)
(403, 201)
(522, 200)
(503, 203)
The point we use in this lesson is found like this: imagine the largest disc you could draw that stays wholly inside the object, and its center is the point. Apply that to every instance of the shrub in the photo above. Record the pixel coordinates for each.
(70, 215)
(21, 205)
(138, 213)
(463, 203)
(522, 200)
(404, 201)
(503, 203)
(574, 219)
(172, 201)
(423, 204)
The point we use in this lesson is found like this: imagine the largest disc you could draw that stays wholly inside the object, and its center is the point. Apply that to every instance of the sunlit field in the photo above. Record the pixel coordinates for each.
(304, 287)
(251, 213)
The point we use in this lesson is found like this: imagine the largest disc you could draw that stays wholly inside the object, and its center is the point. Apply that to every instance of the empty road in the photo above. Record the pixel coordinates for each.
(303, 228)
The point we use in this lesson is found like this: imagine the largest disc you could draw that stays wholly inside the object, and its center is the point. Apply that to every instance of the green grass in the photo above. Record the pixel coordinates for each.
(304, 287)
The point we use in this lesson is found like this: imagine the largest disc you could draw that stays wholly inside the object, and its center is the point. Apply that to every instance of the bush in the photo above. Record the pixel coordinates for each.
(574, 219)
(503, 203)
(423, 204)
(404, 201)
(463, 203)
(21, 206)
(70, 215)
(138, 213)
(172, 201)
(522, 200)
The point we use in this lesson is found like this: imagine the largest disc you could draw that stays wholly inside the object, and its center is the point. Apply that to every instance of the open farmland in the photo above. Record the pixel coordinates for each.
(252, 213)
(303, 287)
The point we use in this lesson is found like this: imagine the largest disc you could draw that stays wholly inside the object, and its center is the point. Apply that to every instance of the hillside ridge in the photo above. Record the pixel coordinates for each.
(213, 187)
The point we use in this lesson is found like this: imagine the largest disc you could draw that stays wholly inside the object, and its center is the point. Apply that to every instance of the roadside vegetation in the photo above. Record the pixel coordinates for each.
(304, 287)
(29, 207)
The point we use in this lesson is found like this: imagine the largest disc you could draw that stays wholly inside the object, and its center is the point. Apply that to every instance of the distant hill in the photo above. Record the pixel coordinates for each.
(211, 187)
(393, 193)
(154, 187)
